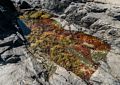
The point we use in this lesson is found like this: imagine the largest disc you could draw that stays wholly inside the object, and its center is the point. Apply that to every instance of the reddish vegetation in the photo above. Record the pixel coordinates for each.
(84, 51)
(97, 43)
(47, 29)
(84, 42)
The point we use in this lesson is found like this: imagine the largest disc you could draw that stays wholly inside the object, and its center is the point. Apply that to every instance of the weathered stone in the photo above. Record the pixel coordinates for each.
(114, 12)
(93, 7)
(113, 61)
(76, 17)
(88, 20)
(115, 49)
(66, 78)
(66, 25)
(103, 77)
(111, 2)
(117, 42)
(99, 23)
(71, 8)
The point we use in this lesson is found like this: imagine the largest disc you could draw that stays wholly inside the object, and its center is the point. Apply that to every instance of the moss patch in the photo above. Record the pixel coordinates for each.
(76, 52)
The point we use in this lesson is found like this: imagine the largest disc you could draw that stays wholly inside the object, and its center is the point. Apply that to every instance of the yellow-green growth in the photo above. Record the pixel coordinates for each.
(36, 15)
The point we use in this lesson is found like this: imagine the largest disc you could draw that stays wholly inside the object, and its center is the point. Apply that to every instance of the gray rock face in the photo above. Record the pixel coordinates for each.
(114, 12)
(72, 7)
(26, 4)
(113, 61)
(108, 73)
(76, 17)
(53, 5)
(46, 4)
(93, 7)
(21, 73)
(98, 25)
(116, 2)
(96, 18)
(103, 77)
(88, 20)
(62, 77)
(49, 4)
(16, 66)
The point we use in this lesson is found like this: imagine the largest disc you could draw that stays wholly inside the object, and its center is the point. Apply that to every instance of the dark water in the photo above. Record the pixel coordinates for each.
(24, 28)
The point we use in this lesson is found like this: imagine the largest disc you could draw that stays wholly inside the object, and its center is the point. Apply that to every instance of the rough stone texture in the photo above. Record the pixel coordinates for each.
(108, 73)
(22, 73)
(100, 20)
(49, 4)
(52, 5)
(66, 25)
(73, 6)
(113, 61)
(45, 4)
(62, 77)
(16, 66)
(114, 12)
(103, 77)
(94, 7)
(115, 2)
(88, 20)
(76, 17)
